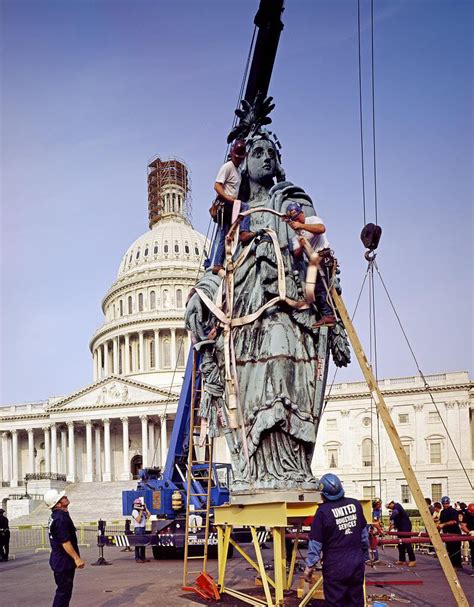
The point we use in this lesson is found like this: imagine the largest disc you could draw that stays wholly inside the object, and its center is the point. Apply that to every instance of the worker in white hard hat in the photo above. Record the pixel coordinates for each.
(65, 557)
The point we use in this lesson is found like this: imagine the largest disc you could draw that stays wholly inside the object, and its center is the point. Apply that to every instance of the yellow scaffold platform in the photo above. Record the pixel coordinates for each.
(277, 513)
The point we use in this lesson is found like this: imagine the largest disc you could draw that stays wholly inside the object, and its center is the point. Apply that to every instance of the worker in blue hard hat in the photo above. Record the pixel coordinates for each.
(339, 537)
(313, 229)
(449, 524)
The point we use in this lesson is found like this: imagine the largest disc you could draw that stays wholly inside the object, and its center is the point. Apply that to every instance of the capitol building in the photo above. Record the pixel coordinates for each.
(102, 434)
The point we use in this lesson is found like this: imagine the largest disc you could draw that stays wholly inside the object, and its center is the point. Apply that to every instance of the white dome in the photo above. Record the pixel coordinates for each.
(172, 239)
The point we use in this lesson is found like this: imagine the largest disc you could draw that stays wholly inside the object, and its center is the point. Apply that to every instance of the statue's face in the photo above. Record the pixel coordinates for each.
(262, 161)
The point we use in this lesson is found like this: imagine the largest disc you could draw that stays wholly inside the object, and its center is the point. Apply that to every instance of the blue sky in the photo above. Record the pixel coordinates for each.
(91, 90)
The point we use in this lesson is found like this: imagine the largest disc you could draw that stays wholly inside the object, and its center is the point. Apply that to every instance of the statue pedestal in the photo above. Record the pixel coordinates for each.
(263, 509)
(291, 496)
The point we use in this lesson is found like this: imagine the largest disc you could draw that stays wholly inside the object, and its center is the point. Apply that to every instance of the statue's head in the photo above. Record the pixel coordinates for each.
(261, 160)
(262, 163)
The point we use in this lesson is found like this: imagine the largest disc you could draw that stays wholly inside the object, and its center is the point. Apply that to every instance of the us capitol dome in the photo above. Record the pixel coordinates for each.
(143, 335)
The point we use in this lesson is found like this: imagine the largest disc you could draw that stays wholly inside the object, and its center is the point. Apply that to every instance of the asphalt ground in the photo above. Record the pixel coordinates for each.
(27, 580)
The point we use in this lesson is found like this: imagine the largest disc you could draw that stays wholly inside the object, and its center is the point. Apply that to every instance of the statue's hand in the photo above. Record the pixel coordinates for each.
(196, 317)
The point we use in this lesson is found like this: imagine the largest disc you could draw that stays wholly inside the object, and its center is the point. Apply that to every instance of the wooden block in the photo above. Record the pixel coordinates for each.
(304, 587)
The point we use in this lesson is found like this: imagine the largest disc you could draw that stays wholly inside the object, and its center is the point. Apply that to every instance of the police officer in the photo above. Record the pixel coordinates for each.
(65, 557)
(449, 524)
(4, 536)
(339, 532)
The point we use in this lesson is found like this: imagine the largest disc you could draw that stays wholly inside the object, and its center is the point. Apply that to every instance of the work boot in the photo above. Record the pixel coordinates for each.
(400, 563)
(325, 321)
(412, 564)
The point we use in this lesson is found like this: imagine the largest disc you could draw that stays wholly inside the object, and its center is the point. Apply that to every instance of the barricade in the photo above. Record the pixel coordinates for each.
(29, 536)
(36, 537)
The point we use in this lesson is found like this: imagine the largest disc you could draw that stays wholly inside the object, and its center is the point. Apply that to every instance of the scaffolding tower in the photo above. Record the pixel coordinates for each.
(169, 189)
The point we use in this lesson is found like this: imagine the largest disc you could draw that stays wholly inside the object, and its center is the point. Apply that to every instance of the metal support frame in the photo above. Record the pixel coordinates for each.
(278, 516)
(403, 460)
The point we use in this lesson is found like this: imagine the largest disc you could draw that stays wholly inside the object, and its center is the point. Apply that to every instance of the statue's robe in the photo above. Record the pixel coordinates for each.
(276, 358)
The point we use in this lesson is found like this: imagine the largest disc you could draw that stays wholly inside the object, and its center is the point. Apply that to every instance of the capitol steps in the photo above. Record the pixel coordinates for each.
(89, 503)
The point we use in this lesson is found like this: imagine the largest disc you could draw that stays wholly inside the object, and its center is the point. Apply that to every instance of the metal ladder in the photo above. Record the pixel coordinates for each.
(198, 489)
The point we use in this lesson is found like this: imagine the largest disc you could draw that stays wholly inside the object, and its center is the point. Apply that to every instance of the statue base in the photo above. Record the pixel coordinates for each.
(276, 511)
(266, 496)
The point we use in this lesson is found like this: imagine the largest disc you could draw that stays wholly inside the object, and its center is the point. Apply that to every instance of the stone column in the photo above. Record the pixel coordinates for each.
(31, 451)
(347, 457)
(88, 476)
(54, 450)
(452, 423)
(63, 450)
(97, 452)
(14, 480)
(95, 365)
(465, 445)
(141, 342)
(71, 472)
(47, 450)
(99, 363)
(151, 442)
(419, 446)
(107, 476)
(115, 355)
(164, 440)
(157, 349)
(126, 475)
(106, 359)
(5, 457)
(144, 420)
(127, 354)
(173, 348)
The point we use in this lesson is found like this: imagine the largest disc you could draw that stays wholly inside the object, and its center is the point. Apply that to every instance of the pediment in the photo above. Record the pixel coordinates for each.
(112, 391)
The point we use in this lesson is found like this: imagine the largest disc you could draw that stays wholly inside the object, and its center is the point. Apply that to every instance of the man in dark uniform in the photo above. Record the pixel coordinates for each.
(449, 523)
(400, 521)
(65, 557)
(339, 532)
(4, 536)
(467, 525)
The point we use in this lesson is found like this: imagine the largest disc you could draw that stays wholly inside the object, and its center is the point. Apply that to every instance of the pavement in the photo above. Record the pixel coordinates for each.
(27, 580)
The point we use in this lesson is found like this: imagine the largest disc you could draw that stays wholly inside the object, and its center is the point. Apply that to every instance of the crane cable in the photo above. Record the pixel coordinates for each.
(361, 123)
(373, 108)
(243, 83)
(370, 255)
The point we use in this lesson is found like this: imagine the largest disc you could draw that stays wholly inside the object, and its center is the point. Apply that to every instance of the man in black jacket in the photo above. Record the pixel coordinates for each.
(65, 557)
(400, 521)
(4, 536)
(449, 524)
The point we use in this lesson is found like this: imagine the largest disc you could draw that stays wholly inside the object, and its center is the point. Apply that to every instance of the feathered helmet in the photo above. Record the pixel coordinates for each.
(251, 127)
